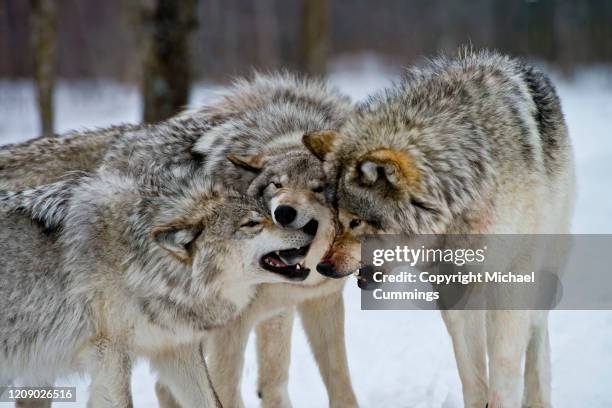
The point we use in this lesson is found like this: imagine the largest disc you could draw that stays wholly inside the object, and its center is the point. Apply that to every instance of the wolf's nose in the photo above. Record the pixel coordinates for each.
(326, 269)
(311, 228)
(285, 214)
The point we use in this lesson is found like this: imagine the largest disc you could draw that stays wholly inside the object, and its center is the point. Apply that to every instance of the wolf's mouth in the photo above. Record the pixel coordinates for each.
(287, 262)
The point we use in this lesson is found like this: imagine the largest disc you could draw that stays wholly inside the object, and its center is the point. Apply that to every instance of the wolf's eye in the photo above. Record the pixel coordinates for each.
(278, 185)
(250, 224)
(355, 223)
(317, 189)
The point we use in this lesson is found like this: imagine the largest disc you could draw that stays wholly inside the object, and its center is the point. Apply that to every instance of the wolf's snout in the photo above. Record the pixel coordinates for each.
(311, 227)
(285, 214)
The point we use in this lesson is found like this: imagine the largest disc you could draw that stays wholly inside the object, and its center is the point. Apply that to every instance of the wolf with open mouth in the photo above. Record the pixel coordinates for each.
(249, 141)
(132, 268)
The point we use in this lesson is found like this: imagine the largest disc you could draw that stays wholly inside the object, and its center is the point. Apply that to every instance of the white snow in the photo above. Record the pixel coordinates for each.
(397, 359)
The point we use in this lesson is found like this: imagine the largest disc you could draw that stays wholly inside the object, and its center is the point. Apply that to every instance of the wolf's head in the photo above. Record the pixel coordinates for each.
(381, 185)
(229, 244)
(293, 187)
(292, 184)
(229, 233)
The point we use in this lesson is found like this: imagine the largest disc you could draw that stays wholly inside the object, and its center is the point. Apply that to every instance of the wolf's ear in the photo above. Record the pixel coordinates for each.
(176, 239)
(320, 142)
(394, 167)
(254, 163)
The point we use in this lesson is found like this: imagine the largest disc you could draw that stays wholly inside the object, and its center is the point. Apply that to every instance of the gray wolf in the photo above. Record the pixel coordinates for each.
(249, 141)
(476, 144)
(116, 268)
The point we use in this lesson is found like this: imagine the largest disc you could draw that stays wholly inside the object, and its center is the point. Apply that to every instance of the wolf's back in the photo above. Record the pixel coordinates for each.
(252, 116)
(45, 160)
(548, 117)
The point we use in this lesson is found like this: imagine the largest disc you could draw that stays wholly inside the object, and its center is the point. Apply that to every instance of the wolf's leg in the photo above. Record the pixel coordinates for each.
(467, 331)
(323, 320)
(110, 376)
(537, 367)
(165, 399)
(507, 337)
(183, 371)
(273, 356)
(226, 359)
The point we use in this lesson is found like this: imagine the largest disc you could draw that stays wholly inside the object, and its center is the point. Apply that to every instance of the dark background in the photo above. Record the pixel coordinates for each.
(101, 38)
(163, 46)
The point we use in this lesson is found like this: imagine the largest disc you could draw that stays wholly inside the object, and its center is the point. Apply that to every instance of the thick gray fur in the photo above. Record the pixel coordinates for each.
(470, 145)
(473, 125)
(261, 118)
(45, 160)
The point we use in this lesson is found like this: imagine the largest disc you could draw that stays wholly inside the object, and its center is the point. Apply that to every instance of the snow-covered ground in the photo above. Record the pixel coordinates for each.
(397, 359)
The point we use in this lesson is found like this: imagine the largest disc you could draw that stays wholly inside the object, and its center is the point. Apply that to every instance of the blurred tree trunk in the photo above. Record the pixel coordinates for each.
(167, 73)
(266, 31)
(315, 36)
(541, 29)
(44, 31)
